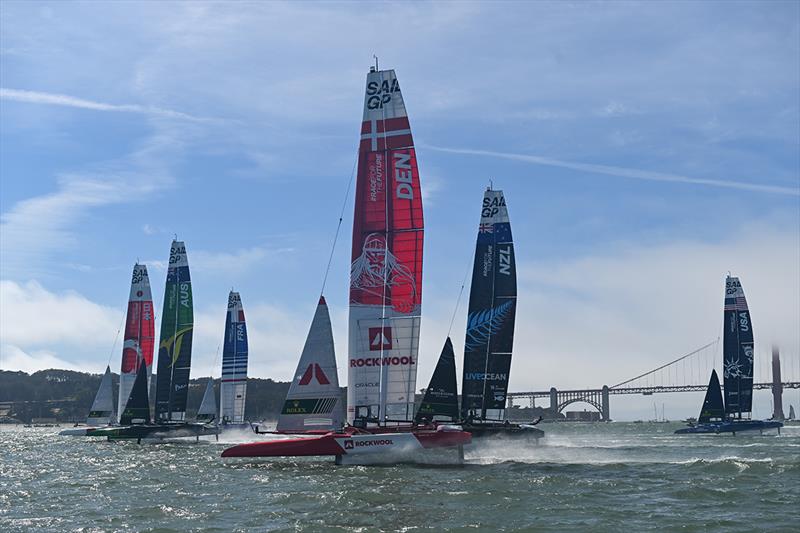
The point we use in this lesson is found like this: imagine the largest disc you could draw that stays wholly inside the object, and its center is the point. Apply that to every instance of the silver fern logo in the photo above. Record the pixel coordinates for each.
(481, 325)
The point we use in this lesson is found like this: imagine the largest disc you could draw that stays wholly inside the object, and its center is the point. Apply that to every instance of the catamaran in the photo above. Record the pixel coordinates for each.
(385, 299)
(732, 412)
(174, 363)
(137, 350)
(490, 327)
(233, 385)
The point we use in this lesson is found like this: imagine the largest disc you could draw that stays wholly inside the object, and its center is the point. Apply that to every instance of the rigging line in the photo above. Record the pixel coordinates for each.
(339, 225)
(460, 294)
(116, 338)
(666, 365)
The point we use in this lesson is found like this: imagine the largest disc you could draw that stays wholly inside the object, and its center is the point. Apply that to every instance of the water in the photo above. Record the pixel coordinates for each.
(597, 477)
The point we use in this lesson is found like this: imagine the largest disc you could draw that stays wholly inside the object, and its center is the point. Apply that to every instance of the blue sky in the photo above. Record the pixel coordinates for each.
(645, 149)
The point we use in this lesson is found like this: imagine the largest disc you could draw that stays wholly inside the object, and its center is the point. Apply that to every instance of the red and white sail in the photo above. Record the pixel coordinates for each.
(386, 270)
(137, 348)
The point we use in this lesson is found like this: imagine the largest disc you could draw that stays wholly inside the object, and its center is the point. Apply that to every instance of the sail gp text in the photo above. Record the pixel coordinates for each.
(380, 94)
(382, 361)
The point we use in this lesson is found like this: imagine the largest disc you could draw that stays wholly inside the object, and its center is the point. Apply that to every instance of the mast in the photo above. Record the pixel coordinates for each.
(386, 269)
(492, 308)
(137, 347)
(737, 349)
(175, 346)
(233, 387)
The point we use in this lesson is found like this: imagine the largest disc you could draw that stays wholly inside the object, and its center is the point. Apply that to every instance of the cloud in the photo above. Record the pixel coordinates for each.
(35, 97)
(32, 316)
(235, 262)
(622, 172)
(14, 358)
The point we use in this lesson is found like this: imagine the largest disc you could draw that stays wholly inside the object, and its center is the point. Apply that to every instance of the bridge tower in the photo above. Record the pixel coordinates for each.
(553, 402)
(606, 414)
(777, 386)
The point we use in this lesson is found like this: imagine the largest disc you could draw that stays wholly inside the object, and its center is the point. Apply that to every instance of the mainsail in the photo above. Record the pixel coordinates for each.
(208, 406)
(490, 319)
(175, 346)
(386, 269)
(441, 396)
(314, 400)
(137, 405)
(102, 411)
(233, 386)
(713, 409)
(737, 350)
(137, 347)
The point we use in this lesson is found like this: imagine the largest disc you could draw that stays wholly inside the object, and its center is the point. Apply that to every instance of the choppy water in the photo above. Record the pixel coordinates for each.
(594, 477)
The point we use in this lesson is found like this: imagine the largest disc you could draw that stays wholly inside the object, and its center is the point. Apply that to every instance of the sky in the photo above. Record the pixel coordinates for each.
(645, 150)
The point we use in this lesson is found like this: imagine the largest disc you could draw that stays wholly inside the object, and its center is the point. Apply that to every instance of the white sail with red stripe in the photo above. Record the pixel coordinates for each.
(386, 269)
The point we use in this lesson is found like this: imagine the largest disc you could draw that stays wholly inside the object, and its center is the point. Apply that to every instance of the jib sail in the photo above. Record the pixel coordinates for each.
(490, 319)
(713, 409)
(441, 397)
(386, 269)
(102, 411)
(175, 345)
(314, 401)
(233, 387)
(137, 405)
(137, 348)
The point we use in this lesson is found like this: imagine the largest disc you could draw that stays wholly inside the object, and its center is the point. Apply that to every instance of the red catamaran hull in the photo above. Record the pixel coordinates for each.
(338, 444)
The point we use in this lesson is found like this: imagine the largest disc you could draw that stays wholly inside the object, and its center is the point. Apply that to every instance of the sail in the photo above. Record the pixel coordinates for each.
(314, 400)
(137, 405)
(208, 407)
(441, 396)
(712, 410)
(139, 334)
(492, 309)
(102, 411)
(175, 345)
(791, 412)
(233, 386)
(386, 269)
(737, 350)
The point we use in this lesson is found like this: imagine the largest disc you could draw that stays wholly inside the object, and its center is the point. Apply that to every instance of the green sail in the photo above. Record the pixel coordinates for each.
(175, 345)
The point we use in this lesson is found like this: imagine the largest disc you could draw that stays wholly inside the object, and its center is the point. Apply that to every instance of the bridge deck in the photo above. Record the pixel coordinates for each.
(640, 390)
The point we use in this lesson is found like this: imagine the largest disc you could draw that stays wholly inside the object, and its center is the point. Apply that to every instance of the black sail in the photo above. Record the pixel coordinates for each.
(441, 396)
(713, 409)
(492, 308)
(737, 350)
(137, 408)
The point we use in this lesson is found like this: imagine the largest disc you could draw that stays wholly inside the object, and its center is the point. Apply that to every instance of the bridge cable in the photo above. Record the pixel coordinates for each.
(667, 364)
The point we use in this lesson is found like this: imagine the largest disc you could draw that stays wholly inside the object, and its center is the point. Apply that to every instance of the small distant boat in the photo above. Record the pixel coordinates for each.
(490, 328)
(233, 385)
(731, 414)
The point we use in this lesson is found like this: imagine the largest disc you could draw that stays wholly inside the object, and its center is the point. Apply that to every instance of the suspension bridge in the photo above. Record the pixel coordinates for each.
(687, 373)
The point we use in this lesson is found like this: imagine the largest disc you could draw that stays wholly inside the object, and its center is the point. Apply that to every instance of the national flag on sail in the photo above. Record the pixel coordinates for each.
(486, 228)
